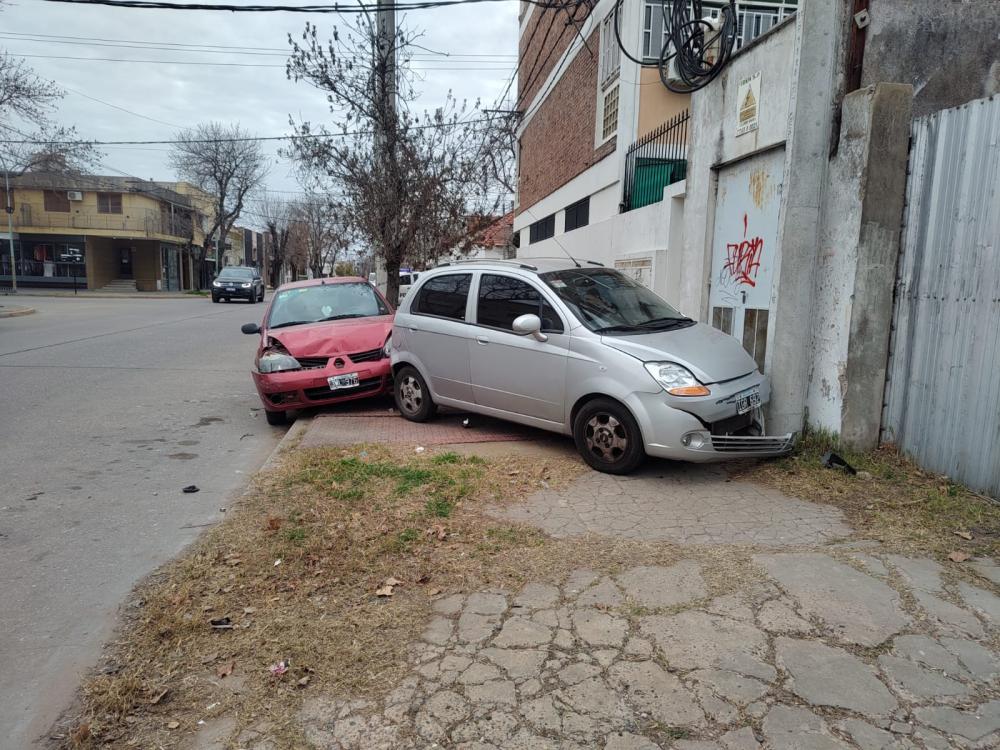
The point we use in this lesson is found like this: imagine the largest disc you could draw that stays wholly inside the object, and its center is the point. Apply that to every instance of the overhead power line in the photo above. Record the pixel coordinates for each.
(500, 68)
(340, 8)
(429, 126)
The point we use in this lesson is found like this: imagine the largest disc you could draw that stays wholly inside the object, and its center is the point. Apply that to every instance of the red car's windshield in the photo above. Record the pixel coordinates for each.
(312, 304)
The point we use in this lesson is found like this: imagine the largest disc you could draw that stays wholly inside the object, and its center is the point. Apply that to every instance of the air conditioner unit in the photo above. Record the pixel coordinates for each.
(74, 195)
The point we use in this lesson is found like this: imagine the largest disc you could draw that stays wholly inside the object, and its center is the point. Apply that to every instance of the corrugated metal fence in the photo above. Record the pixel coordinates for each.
(943, 391)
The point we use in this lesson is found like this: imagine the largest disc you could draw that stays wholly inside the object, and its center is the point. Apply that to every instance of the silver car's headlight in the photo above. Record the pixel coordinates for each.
(387, 346)
(277, 362)
(675, 379)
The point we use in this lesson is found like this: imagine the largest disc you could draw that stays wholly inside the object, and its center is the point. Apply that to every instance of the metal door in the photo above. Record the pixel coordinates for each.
(744, 242)
(943, 391)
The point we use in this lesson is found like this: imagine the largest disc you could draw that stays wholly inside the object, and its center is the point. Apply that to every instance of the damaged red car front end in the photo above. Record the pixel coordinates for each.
(323, 341)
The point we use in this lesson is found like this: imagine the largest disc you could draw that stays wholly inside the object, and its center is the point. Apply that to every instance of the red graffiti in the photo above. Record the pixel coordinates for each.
(743, 258)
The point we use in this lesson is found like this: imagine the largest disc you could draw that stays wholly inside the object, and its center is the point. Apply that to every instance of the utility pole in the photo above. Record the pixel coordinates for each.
(385, 63)
(9, 209)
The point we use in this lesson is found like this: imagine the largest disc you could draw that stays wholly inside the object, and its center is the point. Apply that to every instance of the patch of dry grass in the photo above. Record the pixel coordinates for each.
(291, 575)
(891, 498)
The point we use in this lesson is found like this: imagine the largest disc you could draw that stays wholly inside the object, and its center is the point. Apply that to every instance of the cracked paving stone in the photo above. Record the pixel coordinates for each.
(438, 631)
(695, 745)
(925, 650)
(866, 736)
(856, 607)
(520, 632)
(517, 663)
(740, 739)
(439, 712)
(980, 600)
(972, 725)
(473, 627)
(917, 682)
(986, 568)
(655, 587)
(653, 690)
(697, 640)
(449, 605)
(778, 617)
(593, 698)
(497, 691)
(486, 604)
(627, 741)
(599, 628)
(604, 593)
(949, 617)
(477, 674)
(979, 661)
(735, 688)
(495, 728)
(826, 676)
(920, 573)
(791, 728)
(578, 672)
(731, 605)
(579, 580)
(537, 596)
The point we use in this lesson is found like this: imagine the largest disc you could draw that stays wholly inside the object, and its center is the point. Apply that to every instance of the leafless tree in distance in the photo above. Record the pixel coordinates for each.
(274, 213)
(408, 182)
(227, 163)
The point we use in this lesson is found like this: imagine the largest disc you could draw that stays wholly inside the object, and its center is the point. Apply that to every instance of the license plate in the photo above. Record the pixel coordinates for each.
(748, 403)
(337, 382)
(230, 289)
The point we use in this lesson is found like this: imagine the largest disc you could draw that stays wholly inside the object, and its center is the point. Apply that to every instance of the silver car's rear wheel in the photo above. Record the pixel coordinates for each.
(413, 398)
(608, 437)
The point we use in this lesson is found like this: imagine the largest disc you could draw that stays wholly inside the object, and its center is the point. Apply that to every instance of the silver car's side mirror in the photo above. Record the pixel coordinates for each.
(529, 324)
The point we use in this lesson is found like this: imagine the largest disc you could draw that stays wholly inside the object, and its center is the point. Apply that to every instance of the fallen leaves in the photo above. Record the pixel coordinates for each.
(273, 523)
(959, 556)
(386, 588)
(279, 668)
(159, 697)
(437, 531)
(967, 536)
(224, 670)
(173, 724)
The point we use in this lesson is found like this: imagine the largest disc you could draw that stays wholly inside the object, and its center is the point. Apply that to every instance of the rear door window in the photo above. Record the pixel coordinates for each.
(443, 296)
(502, 299)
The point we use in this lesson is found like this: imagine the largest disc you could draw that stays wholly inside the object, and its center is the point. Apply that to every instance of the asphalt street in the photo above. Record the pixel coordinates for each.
(108, 408)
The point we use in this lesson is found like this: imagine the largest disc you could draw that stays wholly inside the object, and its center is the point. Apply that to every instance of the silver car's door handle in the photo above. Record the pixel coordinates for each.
(482, 340)
(413, 327)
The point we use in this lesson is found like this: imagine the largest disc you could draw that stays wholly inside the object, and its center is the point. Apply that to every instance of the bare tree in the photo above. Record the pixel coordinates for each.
(228, 164)
(408, 182)
(275, 214)
(324, 231)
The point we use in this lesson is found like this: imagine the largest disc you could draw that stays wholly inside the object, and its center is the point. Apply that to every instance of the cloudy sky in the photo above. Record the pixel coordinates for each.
(176, 68)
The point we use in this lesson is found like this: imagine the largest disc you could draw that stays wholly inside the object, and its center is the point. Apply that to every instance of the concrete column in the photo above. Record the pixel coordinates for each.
(855, 272)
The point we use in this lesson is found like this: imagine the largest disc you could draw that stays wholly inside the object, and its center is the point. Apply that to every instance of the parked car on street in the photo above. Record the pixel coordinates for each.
(322, 341)
(238, 282)
(406, 281)
(582, 350)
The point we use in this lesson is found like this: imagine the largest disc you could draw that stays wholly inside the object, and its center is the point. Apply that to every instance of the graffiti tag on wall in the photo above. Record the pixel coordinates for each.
(743, 258)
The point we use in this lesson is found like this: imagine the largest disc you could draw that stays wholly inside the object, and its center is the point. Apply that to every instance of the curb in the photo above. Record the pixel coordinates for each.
(111, 295)
(286, 444)
(15, 311)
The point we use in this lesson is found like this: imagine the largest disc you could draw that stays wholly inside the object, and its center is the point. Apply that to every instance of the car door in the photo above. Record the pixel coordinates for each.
(437, 332)
(518, 374)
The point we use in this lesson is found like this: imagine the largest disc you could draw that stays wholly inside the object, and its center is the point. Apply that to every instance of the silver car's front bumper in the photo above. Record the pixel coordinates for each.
(670, 432)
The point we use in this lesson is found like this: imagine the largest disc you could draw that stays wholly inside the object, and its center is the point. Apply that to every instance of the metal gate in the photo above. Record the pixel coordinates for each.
(943, 391)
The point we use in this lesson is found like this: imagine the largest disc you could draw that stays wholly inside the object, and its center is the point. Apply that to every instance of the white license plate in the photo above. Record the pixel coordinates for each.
(748, 403)
(230, 289)
(336, 382)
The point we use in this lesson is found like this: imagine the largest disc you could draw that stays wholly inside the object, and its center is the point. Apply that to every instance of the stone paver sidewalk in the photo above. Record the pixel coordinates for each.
(817, 654)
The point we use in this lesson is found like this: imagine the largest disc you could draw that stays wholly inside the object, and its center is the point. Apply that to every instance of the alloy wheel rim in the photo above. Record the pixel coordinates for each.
(606, 437)
(411, 395)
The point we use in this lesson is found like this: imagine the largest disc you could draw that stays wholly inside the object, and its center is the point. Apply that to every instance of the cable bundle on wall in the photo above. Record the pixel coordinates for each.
(695, 49)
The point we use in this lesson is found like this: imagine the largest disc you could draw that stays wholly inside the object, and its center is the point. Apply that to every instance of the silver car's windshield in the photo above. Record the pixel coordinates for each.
(606, 301)
(312, 304)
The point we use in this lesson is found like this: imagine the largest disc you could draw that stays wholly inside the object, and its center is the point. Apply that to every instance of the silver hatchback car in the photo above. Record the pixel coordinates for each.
(582, 350)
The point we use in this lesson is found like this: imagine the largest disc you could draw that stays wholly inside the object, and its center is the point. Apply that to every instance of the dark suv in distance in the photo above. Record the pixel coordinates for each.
(238, 282)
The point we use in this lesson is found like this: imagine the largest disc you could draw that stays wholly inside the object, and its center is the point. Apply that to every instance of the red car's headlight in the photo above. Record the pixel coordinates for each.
(277, 362)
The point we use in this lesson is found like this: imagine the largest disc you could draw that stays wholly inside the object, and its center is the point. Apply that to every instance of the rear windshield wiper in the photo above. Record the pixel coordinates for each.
(291, 323)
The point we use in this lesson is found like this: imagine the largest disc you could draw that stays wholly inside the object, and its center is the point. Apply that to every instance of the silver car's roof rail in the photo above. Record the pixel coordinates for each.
(515, 263)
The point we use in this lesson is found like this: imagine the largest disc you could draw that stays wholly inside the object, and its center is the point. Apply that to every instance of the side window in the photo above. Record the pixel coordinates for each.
(443, 296)
(504, 298)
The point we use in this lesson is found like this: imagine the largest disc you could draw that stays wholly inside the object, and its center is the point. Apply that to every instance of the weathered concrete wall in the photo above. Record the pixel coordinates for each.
(855, 269)
(714, 112)
(948, 51)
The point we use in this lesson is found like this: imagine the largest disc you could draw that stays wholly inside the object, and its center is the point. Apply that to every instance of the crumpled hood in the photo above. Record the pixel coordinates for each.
(334, 337)
(711, 355)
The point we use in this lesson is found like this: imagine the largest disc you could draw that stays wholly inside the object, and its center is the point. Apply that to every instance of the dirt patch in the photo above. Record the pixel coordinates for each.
(890, 499)
(281, 599)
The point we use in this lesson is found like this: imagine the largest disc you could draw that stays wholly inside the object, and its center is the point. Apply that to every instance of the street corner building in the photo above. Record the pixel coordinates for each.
(822, 199)
(115, 234)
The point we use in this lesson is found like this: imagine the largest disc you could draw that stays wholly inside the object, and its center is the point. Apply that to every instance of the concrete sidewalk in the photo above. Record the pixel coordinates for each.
(765, 623)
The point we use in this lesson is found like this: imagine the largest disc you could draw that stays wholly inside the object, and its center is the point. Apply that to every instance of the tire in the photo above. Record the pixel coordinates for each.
(413, 397)
(608, 437)
(276, 418)
(215, 299)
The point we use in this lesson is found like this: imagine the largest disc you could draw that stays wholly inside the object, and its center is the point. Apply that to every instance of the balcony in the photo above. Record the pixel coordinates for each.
(141, 222)
(654, 161)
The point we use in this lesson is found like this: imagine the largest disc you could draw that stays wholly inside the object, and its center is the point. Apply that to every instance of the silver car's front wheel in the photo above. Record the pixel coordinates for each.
(608, 437)
(413, 399)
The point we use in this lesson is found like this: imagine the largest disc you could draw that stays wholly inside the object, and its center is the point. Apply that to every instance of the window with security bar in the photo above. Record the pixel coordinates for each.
(753, 19)
(609, 118)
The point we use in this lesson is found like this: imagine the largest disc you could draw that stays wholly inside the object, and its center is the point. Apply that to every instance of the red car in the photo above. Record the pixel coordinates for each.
(322, 341)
